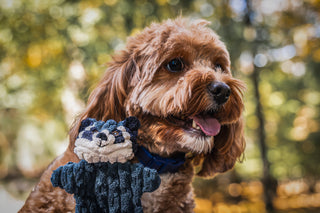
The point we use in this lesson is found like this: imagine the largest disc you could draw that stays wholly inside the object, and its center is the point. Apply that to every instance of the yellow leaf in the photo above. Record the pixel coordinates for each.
(203, 206)
(316, 55)
(34, 56)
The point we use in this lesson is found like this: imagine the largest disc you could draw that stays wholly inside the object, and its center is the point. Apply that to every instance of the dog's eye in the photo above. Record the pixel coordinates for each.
(175, 65)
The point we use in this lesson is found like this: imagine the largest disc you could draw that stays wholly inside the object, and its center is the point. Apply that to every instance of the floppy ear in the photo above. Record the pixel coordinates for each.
(107, 100)
(229, 146)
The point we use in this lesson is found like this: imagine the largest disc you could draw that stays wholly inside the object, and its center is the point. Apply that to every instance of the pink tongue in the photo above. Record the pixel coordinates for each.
(210, 126)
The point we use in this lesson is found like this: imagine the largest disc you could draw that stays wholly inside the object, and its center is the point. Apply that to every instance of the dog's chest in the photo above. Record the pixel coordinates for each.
(173, 195)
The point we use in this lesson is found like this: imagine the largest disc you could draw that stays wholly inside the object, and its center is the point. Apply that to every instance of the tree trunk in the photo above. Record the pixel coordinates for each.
(269, 184)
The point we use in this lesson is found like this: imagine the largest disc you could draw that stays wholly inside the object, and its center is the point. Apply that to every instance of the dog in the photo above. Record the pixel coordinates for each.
(175, 78)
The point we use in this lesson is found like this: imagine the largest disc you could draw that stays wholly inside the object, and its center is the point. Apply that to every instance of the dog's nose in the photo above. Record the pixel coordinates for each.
(220, 92)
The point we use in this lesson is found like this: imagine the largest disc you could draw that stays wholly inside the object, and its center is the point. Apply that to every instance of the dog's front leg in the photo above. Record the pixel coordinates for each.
(175, 194)
(45, 197)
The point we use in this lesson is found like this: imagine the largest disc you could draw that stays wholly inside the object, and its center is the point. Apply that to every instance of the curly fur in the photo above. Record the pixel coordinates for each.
(137, 83)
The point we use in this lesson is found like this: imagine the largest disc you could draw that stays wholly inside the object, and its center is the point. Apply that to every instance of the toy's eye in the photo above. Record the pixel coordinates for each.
(115, 133)
(175, 65)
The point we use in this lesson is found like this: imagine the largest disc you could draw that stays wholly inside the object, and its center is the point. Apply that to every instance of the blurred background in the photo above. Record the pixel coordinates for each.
(52, 53)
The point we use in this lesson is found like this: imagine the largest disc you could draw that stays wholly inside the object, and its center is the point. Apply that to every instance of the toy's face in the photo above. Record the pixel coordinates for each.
(105, 141)
(105, 133)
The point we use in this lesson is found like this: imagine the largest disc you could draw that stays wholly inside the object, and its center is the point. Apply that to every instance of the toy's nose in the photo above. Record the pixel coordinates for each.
(102, 136)
(219, 91)
(103, 139)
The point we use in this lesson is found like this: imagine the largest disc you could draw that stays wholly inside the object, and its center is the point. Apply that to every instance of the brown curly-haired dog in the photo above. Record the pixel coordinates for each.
(175, 77)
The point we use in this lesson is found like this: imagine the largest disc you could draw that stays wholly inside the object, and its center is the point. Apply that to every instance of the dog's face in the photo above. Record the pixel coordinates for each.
(175, 77)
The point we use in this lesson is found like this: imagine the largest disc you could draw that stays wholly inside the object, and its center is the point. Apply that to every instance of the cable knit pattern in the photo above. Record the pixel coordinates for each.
(106, 187)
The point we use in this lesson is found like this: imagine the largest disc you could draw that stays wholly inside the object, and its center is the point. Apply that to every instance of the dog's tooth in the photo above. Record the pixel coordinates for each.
(194, 124)
(198, 127)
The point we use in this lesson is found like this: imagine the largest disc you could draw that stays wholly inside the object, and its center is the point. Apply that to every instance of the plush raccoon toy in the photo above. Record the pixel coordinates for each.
(104, 180)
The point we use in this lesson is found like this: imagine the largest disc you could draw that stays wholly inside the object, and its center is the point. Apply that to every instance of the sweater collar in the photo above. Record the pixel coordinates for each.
(161, 164)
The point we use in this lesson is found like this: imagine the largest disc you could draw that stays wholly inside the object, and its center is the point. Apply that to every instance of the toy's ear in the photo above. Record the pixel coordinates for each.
(132, 123)
(109, 124)
(86, 122)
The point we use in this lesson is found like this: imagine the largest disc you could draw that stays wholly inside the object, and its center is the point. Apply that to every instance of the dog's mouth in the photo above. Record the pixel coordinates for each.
(204, 124)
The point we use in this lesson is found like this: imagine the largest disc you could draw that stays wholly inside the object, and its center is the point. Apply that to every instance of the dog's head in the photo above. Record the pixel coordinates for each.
(175, 77)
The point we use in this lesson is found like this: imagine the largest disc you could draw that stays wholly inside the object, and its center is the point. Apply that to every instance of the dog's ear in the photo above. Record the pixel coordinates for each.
(229, 146)
(107, 100)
